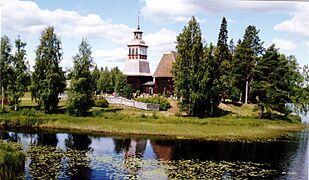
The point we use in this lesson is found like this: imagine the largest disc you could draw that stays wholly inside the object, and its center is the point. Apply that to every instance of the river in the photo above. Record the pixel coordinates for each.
(60, 155)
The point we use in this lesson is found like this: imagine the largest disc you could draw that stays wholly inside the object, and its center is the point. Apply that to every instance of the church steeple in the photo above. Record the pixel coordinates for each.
(138, 28)
(137, 46)
(137, 63)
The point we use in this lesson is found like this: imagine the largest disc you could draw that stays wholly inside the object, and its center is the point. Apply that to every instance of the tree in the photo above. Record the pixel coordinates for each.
(48, 79)
(187, 69)
(122, 87)
(82, 82)
(210, 83)
(20, 77)
(275, 78)
(246, 56)
(224, 58)
(5, 69)
(103, 83)
(95, 76)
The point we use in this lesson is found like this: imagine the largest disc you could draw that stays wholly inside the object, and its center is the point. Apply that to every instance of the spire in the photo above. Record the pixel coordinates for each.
(138, 28)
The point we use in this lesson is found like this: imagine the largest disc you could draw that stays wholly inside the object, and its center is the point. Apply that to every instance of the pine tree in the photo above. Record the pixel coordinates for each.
(82, 83)
(223, 58)
(246, 56)
(20, 76)
(48, 79)
(274, 79)
(187, 69)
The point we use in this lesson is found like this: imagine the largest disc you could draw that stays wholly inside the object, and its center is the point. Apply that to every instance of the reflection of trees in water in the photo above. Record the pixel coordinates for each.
(134, 155)
(47, 139)
(121, 144)
(78, 163)
(275, 153)
(11, 137)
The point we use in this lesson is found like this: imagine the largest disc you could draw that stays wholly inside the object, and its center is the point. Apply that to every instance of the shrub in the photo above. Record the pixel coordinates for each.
(164, 104)
(78, 104)
(102, 102)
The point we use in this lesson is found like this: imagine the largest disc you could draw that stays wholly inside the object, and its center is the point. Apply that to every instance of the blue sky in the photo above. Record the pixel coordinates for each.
(108, 24)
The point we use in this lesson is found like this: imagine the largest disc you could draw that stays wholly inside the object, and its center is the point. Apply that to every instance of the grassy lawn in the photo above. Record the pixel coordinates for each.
(238, 124)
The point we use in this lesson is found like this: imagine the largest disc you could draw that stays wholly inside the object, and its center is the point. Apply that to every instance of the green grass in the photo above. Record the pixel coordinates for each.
(127, 121)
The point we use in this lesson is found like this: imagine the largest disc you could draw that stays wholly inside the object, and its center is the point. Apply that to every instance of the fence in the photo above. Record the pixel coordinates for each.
(132, 103)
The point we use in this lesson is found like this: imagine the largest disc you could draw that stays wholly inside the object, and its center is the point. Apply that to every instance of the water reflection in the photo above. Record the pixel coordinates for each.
(78, 156)
(78, 170)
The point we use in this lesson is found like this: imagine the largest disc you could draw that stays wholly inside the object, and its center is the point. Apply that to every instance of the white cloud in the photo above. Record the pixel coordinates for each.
(284, 44)
(113, 55)
(171, 10)
(182, 10)
(163, 40)
(27, 17)
(299, 23)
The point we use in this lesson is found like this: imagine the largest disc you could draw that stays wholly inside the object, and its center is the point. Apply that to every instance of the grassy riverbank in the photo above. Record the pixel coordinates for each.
(12, 161)
(122, 121)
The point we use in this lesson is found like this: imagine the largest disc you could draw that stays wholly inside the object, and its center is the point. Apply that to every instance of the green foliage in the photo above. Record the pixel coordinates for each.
(223, 56)
(20, 76)
(274, 79)
(246, 56)
(11, 156)
(5, 60)
(164, 104)
(114, 81)
(82, 82)
(102, 102)
(300, 95)
(188, 69)
(48, 79)
(95, 76)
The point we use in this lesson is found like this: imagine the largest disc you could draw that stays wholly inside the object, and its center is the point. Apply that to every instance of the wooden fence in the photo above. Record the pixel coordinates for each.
(132, 103)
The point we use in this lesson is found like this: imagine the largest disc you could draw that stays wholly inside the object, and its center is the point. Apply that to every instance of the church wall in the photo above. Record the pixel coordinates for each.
(164, 84)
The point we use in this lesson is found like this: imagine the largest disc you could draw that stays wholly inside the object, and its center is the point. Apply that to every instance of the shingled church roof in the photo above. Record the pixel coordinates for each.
(164, 69)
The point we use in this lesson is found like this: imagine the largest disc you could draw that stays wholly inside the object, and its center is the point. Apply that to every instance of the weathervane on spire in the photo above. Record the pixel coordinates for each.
(138, 20)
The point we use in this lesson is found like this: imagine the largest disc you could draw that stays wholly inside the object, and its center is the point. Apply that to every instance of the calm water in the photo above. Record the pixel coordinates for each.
(80, 156)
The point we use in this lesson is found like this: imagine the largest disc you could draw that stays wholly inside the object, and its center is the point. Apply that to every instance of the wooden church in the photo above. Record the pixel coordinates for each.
(138, 72)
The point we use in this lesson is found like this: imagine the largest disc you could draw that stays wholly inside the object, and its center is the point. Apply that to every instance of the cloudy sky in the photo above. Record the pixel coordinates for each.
(108, 24)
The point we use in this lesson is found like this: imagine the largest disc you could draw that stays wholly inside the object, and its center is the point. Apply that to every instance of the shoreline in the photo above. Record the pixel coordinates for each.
(226, 128)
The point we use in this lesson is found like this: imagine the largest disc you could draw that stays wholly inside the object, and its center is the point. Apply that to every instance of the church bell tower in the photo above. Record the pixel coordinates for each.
(137, 66)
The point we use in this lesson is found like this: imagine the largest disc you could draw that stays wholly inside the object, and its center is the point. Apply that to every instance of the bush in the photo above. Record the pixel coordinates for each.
(78, 104)
(164, 104)
(102, 102)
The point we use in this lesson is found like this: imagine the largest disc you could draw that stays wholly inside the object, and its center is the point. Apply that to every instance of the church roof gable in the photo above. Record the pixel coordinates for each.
(164, 68)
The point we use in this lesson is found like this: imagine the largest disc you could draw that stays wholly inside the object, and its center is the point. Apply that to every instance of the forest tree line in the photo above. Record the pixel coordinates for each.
(205, 75)
(48, 79)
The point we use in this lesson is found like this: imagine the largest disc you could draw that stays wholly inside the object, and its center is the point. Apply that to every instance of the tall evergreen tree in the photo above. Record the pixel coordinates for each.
(5, 69)
(48, 78)
(187, 69)
(20, 76)
(210, 84)
(246, 56)
(223, 58)
(82, 82)
(232, 47)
